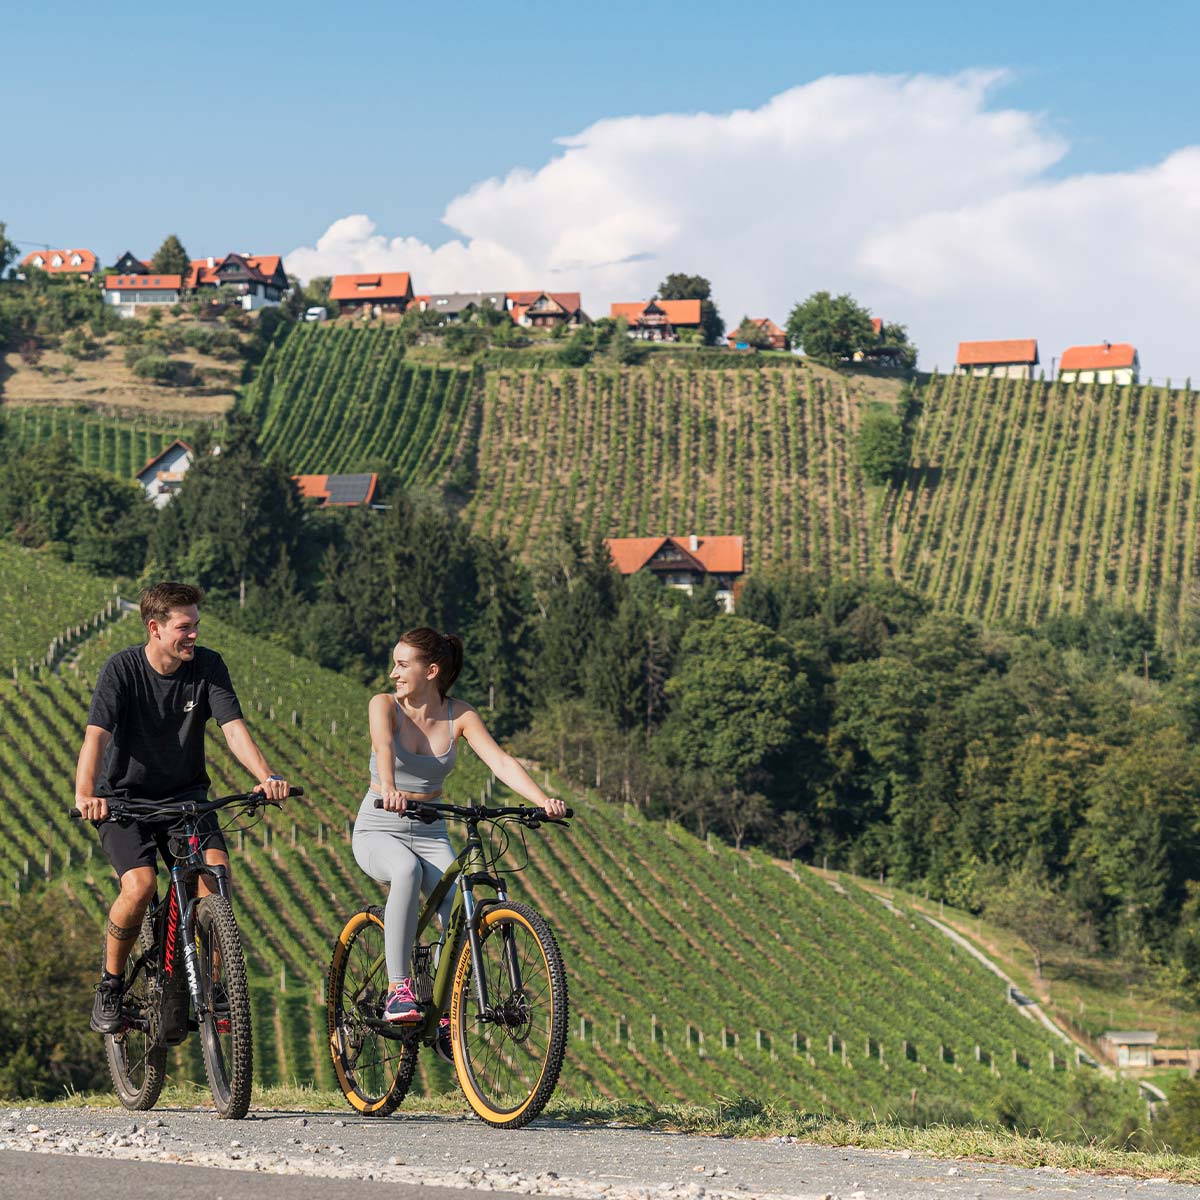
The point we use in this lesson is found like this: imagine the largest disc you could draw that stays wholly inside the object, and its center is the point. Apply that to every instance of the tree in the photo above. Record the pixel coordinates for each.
(882, 449)
(830, 328)
(8, 250)
(1031, 906)
(171, 258)
(49, 961)
(737, 694)
(678, 286)
(233, 514)
(896, 347)
(746, 814)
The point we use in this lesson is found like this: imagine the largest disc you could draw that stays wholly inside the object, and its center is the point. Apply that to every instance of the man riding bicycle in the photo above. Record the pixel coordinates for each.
(145, 739)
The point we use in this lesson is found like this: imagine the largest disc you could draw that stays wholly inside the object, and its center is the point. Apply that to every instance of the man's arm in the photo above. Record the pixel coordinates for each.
(87, 770)
(245, 750)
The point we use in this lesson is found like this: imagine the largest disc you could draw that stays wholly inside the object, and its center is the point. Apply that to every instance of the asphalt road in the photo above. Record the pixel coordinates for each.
(91, 1147)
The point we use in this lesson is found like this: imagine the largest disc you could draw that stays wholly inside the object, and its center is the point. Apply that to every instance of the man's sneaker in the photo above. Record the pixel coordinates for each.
(106, 1008)
(441, 1046)
(401, 1004)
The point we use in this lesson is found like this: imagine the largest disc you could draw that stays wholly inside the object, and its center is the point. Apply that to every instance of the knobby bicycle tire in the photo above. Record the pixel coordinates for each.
(374, 1071)
(137, 1061)
(228, 1054)
(509, 1068)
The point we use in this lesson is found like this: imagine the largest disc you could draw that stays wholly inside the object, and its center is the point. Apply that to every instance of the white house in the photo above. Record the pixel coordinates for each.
(126, 292)
(1106, 363)
(163, 474)
(1013, 358)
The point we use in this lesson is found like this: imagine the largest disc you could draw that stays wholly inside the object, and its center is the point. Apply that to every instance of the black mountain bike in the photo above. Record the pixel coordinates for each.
(187, 971)
(496, 971)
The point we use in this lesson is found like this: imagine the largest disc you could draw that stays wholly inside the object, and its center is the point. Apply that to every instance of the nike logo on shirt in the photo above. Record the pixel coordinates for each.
(189, 706)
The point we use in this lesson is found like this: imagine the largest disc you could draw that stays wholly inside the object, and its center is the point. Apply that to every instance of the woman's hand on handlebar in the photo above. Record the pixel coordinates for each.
(554, 807)
(394, 800)
(92, 808)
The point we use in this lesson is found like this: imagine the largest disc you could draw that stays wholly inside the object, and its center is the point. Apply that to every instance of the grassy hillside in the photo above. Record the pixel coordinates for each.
(40, 599)
(696, 971)
(1026, 499)
(768, 454)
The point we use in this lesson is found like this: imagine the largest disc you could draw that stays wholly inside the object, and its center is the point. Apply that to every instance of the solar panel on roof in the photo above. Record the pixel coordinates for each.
(347, 489)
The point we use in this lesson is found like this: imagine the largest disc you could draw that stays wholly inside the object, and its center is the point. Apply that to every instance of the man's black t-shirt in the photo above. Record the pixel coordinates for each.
(157, 721)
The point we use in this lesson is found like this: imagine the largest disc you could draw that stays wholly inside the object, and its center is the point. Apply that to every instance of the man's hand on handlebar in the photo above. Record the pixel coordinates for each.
(92, 808)
(274, 787)
(554, 807)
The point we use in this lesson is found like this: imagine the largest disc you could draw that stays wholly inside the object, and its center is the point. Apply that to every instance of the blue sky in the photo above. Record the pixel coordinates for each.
(259, 126)
(254, 125)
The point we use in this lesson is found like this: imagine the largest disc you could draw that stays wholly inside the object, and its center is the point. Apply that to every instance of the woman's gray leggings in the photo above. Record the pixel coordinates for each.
(411, 863)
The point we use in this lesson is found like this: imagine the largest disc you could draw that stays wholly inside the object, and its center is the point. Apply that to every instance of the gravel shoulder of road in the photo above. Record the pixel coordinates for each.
(548, 1158)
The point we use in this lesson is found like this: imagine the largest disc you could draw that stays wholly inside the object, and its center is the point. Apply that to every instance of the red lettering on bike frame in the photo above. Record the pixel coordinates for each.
(172, 930)
(194, 843)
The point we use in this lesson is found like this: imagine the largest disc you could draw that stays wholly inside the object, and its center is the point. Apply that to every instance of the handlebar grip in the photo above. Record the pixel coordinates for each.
(295, 791)
(75, 814)
(378, 801)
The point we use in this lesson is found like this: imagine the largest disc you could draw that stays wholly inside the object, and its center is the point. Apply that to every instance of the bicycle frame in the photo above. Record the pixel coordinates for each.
(468, 869)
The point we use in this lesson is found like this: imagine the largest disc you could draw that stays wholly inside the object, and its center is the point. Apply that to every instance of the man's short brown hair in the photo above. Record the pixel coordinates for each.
(156, 602)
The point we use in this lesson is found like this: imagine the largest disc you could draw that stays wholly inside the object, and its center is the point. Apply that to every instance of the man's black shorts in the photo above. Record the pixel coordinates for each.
(138, 843)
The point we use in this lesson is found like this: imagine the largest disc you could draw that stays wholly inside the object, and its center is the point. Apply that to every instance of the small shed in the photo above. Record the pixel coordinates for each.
(1130, 1047)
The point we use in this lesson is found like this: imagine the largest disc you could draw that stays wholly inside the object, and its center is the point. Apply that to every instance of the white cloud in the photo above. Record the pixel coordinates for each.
(912, 192)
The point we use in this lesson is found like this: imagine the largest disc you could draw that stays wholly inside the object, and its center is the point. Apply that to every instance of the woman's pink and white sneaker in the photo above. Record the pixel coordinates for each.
(401, 1004)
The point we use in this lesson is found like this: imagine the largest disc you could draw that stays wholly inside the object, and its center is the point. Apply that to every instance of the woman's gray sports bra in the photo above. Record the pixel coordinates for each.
(422, 773)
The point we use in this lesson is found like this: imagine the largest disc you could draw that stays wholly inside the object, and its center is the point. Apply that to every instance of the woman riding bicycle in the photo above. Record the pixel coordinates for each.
(414, 738)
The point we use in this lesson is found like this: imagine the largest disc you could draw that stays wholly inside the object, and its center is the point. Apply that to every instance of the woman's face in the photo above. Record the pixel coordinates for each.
(410, 672)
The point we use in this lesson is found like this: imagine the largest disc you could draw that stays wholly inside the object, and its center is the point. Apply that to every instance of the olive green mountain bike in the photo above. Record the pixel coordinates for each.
(496, 969)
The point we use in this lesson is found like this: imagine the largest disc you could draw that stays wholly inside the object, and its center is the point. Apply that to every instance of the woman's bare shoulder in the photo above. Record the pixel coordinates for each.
(381, 702)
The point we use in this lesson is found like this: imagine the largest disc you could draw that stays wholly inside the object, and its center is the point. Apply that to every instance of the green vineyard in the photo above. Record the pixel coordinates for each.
(767, 454)
(344, 400)
(40, 598)
(1027, 499)
(695, 970)
(104, 443)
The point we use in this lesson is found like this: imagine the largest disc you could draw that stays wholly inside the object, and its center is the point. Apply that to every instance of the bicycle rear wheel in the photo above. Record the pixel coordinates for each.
(374, 1066)
(137, 1060)
(508, 1064)
(225, 1034)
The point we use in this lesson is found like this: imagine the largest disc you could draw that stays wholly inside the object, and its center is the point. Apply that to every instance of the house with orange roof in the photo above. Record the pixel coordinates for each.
(334, 491)
(128, 293)
(684, 562)
(1014, 358)
(373, 293)
(1109, 362)
(777, 339)
(544, 310)
(658, 320)
(257, 280)
(80, 263)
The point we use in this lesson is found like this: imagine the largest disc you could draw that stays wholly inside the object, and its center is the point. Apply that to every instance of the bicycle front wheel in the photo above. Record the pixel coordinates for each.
(373, 1063)
(225, 1034)
(508, 1058)
(137, 1059)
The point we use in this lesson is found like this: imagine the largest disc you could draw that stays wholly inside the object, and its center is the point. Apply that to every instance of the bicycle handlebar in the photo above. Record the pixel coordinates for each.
(119, 806)
(429, 811)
